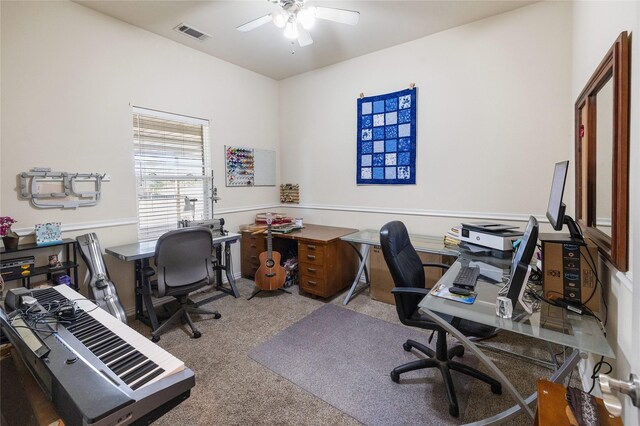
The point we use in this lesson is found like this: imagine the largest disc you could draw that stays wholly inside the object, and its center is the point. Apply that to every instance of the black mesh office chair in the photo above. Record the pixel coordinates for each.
(183, 265)
(409, 279)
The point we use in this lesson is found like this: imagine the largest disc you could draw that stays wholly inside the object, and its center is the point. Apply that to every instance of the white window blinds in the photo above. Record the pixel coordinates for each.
(171, 163)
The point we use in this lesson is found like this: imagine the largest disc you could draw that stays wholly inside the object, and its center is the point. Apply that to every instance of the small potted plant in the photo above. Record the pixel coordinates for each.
(9, 238)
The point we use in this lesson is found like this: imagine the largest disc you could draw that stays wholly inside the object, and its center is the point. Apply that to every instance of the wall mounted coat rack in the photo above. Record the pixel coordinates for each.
(48, 189)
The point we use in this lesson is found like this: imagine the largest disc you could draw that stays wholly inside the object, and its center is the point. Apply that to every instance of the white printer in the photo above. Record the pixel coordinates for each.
(495, 236)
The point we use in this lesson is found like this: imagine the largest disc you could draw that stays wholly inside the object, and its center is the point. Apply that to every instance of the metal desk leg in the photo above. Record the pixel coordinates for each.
(233, 290)
(558, 377)
(138, 267)
(143, 295)
(522, 404)
(363, 267)
(218, 271)
(227, 263)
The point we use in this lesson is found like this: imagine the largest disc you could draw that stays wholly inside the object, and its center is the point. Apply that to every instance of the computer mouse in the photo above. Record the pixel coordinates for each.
(459, 290)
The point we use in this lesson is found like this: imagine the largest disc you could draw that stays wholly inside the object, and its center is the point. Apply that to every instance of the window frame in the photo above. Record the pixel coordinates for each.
(167, 219)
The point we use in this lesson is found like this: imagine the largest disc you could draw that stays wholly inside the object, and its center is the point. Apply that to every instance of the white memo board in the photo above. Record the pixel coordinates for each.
(264, 167)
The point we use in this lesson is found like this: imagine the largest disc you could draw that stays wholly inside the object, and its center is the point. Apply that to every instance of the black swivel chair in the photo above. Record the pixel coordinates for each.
(183, 265)
(409, 279)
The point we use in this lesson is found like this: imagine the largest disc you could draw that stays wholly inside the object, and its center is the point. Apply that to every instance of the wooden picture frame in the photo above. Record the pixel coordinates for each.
(614, 67)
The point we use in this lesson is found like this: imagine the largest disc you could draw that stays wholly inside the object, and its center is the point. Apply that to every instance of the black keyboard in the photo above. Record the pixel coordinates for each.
(98, 370)
(467, 277)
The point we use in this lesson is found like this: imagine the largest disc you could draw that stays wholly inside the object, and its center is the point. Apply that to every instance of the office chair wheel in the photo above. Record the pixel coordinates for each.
(197, 334)
(155, 339)
(395, 377)
(406, 346)
(496, 389)
(217, 316)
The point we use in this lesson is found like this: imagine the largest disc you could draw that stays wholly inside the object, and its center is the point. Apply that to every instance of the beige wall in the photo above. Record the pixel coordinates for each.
(495, 112)
(492, 120)
(596, 25)
(69, 78)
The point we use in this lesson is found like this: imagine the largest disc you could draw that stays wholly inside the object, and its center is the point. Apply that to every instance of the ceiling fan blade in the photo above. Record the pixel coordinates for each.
(255, 23)
(342, 16)
(304, 38)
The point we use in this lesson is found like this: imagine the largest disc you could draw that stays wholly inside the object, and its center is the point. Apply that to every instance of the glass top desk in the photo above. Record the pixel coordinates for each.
(371, 237)
(549, 324)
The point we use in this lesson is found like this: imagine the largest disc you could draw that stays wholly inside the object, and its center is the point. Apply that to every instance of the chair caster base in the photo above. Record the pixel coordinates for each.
(395, 377)
(453, 410)
(496, 389)
(155, 339)
(197, 334)
(406, 346)
(217, 316)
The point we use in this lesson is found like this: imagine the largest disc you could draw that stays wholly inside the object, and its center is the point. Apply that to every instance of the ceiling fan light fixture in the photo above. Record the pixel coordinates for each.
(307, 17)
(280, 18)
(291, 29)
(296, 18)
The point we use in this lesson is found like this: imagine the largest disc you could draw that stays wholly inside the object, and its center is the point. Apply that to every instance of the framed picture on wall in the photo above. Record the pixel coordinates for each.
(48, 233)
(386, 140)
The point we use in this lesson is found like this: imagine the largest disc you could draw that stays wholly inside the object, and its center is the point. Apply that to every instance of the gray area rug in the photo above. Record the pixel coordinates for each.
(344, 358)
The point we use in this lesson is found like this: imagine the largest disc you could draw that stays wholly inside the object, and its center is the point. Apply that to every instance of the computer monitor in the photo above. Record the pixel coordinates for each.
(521, 260)
(556, 208)
(527, 245)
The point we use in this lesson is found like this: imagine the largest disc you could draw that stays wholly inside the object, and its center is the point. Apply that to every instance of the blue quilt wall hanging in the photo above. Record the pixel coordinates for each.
(387, 139)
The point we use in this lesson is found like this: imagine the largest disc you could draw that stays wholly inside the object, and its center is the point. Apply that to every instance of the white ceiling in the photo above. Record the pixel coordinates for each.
(266, 51)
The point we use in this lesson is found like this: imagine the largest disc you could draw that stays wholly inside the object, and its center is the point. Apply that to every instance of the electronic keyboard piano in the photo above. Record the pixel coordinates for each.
(95, 369)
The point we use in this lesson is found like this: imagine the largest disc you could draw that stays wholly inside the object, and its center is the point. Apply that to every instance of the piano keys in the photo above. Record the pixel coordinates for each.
(100, 371)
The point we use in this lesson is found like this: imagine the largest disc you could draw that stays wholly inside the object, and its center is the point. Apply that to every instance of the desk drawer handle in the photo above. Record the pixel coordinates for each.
(311, 247)
(311, 269)
(253, 245)
(311, 282)
(254, 257)
(311, 257)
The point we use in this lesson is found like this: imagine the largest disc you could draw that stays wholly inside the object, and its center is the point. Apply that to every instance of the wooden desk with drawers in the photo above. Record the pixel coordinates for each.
(326, 264)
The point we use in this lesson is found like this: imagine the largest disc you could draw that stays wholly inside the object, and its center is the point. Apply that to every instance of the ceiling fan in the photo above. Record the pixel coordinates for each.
(296, 17)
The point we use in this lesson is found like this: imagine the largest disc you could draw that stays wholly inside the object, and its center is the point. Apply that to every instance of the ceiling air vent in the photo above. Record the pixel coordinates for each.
(192, 32)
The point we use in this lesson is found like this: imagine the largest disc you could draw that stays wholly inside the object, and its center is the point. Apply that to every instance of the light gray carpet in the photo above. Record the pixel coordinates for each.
(233, 389)
(344, 358)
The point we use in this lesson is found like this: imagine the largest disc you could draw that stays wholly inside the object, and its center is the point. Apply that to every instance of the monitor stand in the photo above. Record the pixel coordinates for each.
(574, 230)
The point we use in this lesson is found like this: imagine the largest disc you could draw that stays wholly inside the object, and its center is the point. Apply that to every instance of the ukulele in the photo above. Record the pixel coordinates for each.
(270, 275)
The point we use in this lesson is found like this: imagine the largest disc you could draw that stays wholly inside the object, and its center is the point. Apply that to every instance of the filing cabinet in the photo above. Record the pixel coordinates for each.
(251, 245)
(326, 264)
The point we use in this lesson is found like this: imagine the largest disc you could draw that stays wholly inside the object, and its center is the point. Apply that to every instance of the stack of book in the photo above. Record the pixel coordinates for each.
(452, 237)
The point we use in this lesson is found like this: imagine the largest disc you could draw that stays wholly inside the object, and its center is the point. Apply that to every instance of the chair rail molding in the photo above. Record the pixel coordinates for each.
(420, 212)
(81, 226)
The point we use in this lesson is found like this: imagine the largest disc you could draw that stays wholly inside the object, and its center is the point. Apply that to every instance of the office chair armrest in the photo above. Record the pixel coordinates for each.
(436, 265)
(415, 291)
(148, 271)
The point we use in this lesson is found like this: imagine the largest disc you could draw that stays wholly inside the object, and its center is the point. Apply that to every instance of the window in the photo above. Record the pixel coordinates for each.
(171, 159)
